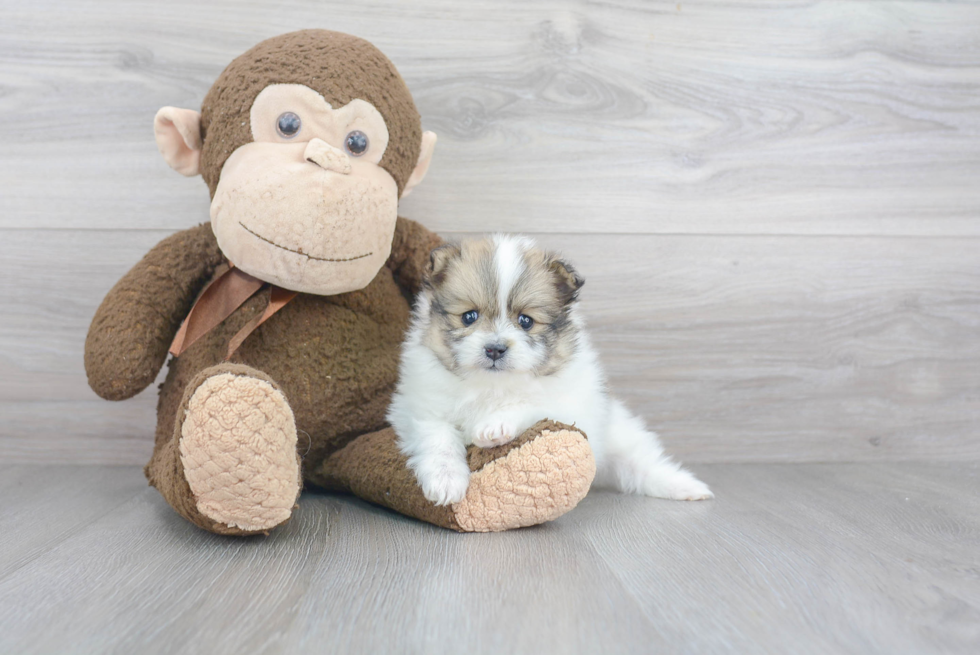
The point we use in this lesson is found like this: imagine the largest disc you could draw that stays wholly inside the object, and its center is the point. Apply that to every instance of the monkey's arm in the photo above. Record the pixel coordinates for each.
(131, 332)
(410, 250)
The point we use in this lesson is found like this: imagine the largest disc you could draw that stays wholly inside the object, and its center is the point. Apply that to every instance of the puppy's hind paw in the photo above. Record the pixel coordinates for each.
(677, 485)
(691, 490)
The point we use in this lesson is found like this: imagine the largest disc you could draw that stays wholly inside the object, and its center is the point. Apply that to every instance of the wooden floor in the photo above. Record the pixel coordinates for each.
(790, 558)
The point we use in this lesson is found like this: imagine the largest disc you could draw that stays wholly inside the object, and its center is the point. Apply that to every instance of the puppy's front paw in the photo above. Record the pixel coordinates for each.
(495, 433)
(444, 482)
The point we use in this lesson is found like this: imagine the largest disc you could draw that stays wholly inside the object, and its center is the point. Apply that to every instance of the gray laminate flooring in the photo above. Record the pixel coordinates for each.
(790, 558)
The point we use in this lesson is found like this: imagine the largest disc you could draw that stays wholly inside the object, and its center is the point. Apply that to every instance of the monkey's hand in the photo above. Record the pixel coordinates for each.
(410, 248)
(131, 332)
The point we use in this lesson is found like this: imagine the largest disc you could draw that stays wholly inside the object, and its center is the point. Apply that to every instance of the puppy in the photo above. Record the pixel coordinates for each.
(496, 344)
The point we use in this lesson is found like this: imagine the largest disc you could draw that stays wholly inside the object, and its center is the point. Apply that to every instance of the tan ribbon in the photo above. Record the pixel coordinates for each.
(277, 300)
(219, 301)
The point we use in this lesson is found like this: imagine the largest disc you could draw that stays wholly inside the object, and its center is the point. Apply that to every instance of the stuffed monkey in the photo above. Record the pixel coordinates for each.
(285, 314)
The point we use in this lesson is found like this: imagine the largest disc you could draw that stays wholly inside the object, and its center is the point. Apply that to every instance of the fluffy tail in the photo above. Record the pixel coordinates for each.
(635, 462)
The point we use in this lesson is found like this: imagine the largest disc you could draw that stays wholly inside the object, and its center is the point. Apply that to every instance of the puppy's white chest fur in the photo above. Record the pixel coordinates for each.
(492, 412)
(489, 415)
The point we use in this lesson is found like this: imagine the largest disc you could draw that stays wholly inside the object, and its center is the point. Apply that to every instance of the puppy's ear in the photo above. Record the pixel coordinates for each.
(568, 279)
(439, 260)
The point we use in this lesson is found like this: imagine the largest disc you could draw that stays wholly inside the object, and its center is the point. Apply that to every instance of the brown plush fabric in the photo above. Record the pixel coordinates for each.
(165, 471)
(335, 357)
(372, 468)
(133, 327)
(338, 66)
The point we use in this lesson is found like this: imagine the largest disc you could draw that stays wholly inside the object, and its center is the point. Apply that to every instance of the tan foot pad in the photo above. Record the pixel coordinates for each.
(238, 450)
(536, 482)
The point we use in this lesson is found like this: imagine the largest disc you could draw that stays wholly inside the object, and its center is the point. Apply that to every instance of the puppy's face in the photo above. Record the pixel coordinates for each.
(500, 304)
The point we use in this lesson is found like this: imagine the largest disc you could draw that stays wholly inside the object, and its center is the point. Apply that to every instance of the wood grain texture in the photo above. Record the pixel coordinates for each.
(47, 505)
(734, 348)
(825, 559)
(775, 204)
(625, 116)
(813, 558)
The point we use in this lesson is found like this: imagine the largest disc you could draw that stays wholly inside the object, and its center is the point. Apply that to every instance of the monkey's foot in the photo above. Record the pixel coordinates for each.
(536, 478)
(238, 452)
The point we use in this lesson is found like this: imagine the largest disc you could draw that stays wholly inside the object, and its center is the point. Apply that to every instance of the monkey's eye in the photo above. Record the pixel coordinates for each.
(525, 321)
(356, 143)
(288, 124)
(469, 318)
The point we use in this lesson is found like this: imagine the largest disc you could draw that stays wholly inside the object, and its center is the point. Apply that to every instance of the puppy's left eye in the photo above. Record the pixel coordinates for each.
(525, 321)
(469, 318)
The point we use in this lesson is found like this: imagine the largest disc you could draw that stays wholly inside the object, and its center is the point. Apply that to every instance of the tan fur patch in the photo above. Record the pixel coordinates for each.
(540, 293)
(463, 280)
(238, 450)
(537, 482)
(470, 281)
(535, 293)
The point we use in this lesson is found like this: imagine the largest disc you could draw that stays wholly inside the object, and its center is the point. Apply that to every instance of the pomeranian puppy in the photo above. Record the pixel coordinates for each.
(497, 344)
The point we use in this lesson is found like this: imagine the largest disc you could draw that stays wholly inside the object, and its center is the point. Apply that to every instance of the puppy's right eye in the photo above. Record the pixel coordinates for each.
(469, 318)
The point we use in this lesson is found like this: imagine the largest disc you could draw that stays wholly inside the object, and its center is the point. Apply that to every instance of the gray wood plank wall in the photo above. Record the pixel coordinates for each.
(776, 205)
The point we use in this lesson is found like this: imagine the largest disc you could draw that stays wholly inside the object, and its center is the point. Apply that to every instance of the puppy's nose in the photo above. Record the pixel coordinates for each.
(495, 350)
(326, 156)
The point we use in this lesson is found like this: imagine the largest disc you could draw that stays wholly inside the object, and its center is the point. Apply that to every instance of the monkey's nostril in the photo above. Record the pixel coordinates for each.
(495, 350)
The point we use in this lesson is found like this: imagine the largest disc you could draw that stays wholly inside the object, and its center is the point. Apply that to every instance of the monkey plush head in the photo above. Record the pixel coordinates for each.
(306, 142)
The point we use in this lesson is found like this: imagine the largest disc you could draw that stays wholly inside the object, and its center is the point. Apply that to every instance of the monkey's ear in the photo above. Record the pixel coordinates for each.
(439, 259)
(178, 134)
(422, 167)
